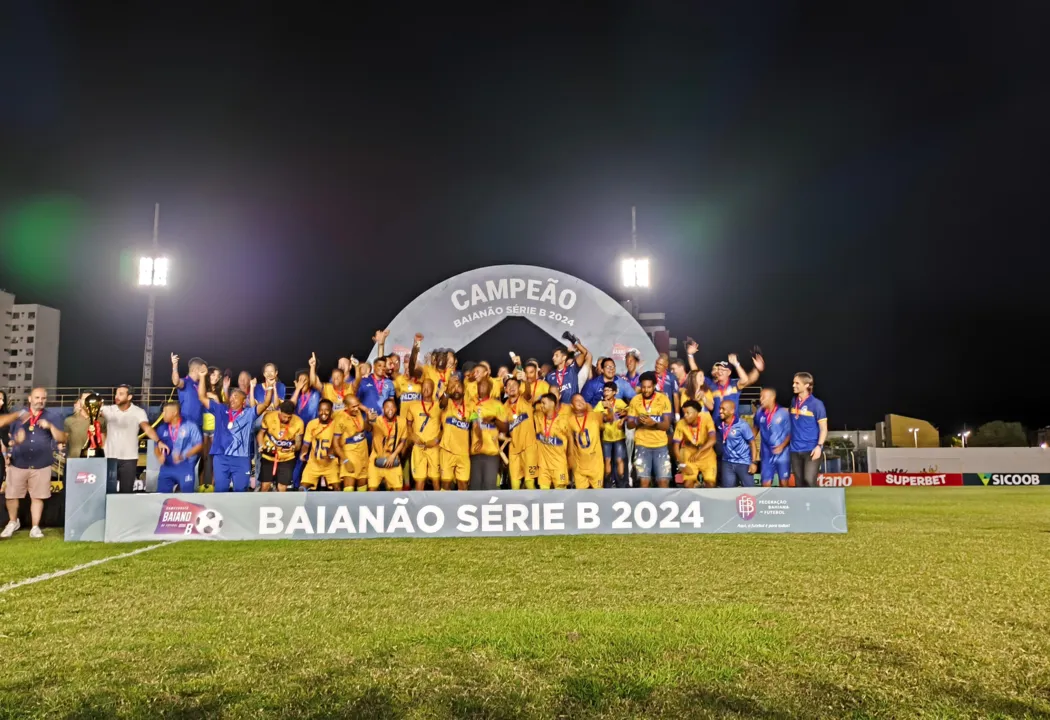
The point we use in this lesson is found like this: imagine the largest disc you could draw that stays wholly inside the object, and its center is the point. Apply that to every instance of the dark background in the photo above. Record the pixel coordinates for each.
(859, 191)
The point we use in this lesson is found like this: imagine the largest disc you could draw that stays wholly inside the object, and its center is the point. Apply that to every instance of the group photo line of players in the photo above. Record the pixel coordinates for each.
(439, 426)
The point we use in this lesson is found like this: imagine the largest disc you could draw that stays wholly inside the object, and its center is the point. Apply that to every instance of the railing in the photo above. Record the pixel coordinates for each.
(67, 396)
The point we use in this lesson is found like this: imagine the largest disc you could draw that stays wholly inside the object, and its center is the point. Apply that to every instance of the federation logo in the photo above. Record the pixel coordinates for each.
(746, 506)
(178, 517)
(86, 477)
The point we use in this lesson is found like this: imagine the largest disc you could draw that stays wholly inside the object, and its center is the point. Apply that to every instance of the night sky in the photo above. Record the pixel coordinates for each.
(860, 194)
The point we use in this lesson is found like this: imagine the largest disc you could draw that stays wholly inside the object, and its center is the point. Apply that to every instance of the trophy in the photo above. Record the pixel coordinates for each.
(93, 446)
(574, 339)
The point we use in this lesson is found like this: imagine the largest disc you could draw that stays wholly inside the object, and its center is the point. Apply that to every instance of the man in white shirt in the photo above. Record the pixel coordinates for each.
(124, 422)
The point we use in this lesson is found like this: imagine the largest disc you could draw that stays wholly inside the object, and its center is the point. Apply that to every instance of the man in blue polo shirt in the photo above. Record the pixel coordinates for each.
(231, 447)
(594, 389)
(809, 430)
(185, 442)
(739, 449)
(774, 432)
(33, 435)
(375, 389)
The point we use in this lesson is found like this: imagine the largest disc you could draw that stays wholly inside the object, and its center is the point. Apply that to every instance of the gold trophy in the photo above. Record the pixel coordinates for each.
(93, 446)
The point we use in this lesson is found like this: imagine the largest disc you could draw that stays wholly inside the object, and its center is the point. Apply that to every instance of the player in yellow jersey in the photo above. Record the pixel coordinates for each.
(441, 370)
(322, 450)
(280, 439)
(389, 436)
(694, 445)
(586, 424)
(423, 418)
(533, 387)
(488, 418)
(481, 371)
(336, 391)
(650, 414)
(455, 438)
(408, 388)
(523, 455)
(553, 437)
(356, 423)
(614, 437)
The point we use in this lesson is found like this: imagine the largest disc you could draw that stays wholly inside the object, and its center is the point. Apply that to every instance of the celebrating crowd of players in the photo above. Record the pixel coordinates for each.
(437, 426)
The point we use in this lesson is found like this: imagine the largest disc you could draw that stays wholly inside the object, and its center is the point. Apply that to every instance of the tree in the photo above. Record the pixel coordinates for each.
(999, 434)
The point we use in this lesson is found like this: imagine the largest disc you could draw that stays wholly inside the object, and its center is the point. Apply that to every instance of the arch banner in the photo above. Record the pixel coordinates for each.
(456, 311)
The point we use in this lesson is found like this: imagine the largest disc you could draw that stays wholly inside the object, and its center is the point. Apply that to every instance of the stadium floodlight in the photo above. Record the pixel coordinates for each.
(153, 272)
(963, 436)
(635, 272)
(915, 434)
(865, 438)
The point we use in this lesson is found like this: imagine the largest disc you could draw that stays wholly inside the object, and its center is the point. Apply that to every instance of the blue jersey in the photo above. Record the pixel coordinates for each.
(278, 396)
(190, 407)
(235, 441)
(773, 427)
(187, 437)
(373, 392)
(594, 390)
(668, 385)
(736, 442)
(564, 383)
(730, 391)
(631, 380)
(805, 423)
(306, 406)
(36, 451)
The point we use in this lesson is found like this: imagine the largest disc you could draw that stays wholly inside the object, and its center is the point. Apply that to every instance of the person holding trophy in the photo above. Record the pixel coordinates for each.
(86, 428)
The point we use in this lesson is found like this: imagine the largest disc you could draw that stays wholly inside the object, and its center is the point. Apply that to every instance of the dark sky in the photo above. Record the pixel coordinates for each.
(859, 191)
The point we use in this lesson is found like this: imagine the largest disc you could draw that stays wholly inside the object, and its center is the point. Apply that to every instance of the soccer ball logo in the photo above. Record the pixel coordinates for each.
(746, 506)
(208, 522)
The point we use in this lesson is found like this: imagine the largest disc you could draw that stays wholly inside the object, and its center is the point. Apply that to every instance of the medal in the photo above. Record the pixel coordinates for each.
(696, 435)
(728, 428)
(233, 418)
(583, 422)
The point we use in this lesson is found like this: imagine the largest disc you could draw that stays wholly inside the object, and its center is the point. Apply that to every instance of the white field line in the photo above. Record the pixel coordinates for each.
(77, 568)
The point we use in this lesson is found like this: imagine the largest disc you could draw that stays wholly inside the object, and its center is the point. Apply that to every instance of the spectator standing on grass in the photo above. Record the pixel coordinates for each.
(33, 434)
(809, 430)
(124, 422)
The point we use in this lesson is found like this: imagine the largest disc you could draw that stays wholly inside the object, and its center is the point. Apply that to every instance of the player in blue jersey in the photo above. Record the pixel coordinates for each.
(774, 430)
(809, 430)
(231, 446)
(185, 441)
(375, 389)
(739, 449)
(189, 401)
(569, 372)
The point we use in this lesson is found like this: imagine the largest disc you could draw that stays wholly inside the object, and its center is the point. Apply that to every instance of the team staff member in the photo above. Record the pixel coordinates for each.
(739, 448)
(280, 439)
(423, 419)
(186, 442)
(32, 433)
(632, 377)
(774, 432)
(614, 446)
(553, 437)
(650, 414)
(666, 382)
(334, 391)
(455, 438)
(322, 450)
(389, 435)
(522, 455)
(124, 422)
(809, 430)
(694, 446)
(231, 446)
(728, 388)
(587, 438)
(594, 390)
(375, 389)
(489, 419)
(355, 428)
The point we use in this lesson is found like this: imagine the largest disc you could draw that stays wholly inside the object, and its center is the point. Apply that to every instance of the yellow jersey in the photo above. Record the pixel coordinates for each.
(689, 439)
(538, 389)
(386, 434)
(406, 391)
(708, 397)
(610, 432)
(280, 436)
(587, 435)
(455, 429)
(522, 429)
(355, 437)
(334, 396)
(425, 418)
(487, 410)
(321, 439)
(440, 378)
(656, 407)
(553, 438)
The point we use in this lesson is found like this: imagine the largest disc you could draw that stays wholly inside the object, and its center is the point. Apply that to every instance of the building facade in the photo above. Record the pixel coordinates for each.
(29, 347)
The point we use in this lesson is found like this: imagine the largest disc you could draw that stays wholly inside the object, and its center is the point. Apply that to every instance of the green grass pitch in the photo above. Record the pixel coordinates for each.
(935, 604)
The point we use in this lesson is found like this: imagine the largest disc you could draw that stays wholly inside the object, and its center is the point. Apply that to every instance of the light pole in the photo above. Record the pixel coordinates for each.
(963, 436)
(153, 273)
(634, 270)
(915, 434)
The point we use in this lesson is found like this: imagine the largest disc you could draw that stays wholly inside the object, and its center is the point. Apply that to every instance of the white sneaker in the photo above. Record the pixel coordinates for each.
(10, 528)
(36, 532)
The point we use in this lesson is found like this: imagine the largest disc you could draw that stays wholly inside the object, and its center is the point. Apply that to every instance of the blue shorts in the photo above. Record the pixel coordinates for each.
(181, 476)
(652, 463)
(614, 450)
(732, 473)
(231, 473)
(779, 465)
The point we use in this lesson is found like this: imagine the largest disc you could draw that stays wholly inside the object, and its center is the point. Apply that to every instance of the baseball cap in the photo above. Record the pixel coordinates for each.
(721, 364)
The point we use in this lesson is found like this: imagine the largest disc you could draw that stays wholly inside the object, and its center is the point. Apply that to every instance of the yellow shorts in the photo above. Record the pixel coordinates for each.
(426, 463)
(355, 467)
(454, 467)
(393, 477)
(525, 464)
(589, 473)
(312, 475)
(558, 478)
(693, 470)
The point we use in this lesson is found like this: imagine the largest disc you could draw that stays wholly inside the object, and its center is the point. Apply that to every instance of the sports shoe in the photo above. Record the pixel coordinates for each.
(36, 532)
(10, 528)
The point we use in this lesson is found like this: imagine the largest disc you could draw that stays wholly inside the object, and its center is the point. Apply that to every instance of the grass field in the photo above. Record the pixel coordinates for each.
(935, 604)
